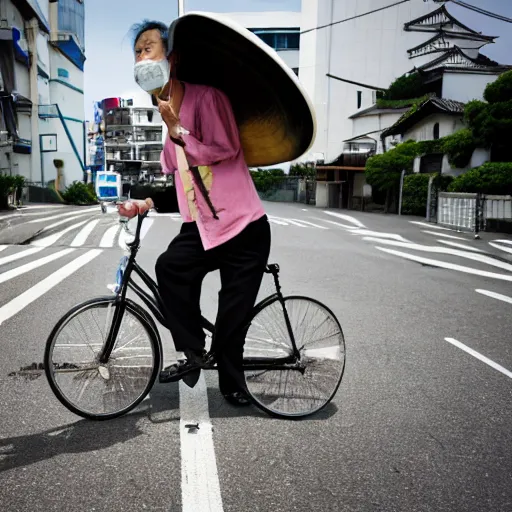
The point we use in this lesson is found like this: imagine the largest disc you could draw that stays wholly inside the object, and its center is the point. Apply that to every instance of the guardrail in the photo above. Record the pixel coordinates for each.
(473, 212)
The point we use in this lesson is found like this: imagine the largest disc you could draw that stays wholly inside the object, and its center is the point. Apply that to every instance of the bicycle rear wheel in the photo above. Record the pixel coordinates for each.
(284, 385)
(101, 391)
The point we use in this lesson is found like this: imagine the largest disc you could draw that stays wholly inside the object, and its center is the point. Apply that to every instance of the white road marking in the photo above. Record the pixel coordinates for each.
(296, 223)
(69, 214)
(275, 221)
(60, 222)
(442, 250)
(308, 223)
(348, 218)
(482, 358)
(42, 207)
(109, 236)
(496, 246)
(172, 215)
(81, 238)
(449, 266)
(436, 233)
(429, 225)
(18, 255)
(335, 223)
(460, 246)
(18, 271)
(50, 240)
(495, 295)
(378, 234)
(200, 487)
(146, 225)
(22, 301)
(3, 247)
(304, 209)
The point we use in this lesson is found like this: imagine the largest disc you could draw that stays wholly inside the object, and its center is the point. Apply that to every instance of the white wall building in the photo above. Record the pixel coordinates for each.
(42, 83)
(280, 30)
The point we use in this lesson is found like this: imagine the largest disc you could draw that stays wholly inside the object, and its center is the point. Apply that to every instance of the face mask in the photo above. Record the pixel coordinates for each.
(152, 75)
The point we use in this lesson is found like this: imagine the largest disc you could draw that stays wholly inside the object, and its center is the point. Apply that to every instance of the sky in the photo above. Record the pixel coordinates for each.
(109, 64)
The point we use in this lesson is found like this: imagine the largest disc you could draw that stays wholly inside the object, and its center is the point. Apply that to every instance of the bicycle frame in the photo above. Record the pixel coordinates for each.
(155, 305)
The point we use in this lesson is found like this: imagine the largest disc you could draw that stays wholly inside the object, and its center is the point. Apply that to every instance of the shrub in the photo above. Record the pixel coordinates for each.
(79, 193)
(459, 147)
(405, 88)
(490, 178)
(415, 194)
(7, 185)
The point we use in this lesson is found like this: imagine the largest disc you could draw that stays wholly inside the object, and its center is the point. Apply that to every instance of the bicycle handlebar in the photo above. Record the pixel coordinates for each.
(136, 239)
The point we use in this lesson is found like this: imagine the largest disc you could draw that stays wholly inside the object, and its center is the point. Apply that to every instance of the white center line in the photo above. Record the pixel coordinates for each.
(50, 240)
(200, 487)
(18, 255)
(495, 295)
(18, 271)
(22, 301)
(109, 236)
(81, 238)
(482, 358)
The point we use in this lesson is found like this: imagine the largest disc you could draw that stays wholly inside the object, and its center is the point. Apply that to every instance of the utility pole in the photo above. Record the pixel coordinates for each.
(181, 7)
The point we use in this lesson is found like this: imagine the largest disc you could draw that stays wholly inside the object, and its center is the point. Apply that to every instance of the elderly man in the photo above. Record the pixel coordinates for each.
(224, 224)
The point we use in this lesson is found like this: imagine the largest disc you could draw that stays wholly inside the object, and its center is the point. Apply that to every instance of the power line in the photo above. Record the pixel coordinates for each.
(355, 17)
(479, 10)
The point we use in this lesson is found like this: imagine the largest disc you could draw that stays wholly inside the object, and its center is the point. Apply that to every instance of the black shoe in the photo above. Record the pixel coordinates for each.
(188, 370)
(238, 398)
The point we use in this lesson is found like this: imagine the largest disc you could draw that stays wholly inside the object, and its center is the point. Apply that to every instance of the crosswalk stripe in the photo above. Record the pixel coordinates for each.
(460, 246)
(69, 214)
(308, 223)
(22, 301)
(3, 247)
(348, 218)
(81, 238)
(32, 265)
(279, 222)
(109, 237)
(64, 221)
(50, 240)
(495, 295)
(443, 264)
(443, 250)
(334, 223)
(496, 246)
(436, 233)
(18, 255)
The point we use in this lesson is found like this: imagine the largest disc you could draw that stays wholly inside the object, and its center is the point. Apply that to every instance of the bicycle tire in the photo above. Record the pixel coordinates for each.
(322, 367)
(137, 313)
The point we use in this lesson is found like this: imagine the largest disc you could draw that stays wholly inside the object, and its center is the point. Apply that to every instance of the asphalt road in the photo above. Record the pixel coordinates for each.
(421, 422)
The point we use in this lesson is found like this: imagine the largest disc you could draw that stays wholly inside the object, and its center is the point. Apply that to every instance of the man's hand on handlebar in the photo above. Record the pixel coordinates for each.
(134, 207)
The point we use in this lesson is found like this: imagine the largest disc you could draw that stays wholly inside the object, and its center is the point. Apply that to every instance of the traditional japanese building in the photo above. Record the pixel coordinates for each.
(365, 54)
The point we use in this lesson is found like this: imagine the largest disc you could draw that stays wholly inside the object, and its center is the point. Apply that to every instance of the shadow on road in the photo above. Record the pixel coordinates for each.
(82, 436)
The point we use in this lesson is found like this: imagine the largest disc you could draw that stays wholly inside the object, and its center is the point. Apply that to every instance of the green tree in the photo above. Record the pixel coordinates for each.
(491, 121)
(383, 171)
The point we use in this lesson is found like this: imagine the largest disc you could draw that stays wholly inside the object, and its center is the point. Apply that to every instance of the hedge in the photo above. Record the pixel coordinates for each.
(491, 178)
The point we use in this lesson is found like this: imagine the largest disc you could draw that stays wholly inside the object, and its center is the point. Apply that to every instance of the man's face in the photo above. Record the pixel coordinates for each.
(150, 46)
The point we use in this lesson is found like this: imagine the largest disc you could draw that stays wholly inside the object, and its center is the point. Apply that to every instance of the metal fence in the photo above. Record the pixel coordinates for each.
(474, 212)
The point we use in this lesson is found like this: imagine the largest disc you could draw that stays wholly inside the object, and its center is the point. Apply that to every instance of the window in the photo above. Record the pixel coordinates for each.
(280, 39)
(436, 131)
(359, 99)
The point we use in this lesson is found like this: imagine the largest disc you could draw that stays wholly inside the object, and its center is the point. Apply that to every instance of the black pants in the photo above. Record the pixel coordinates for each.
(180, 272)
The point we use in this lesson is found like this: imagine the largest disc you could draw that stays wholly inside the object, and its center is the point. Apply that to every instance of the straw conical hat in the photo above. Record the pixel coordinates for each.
(274, 115)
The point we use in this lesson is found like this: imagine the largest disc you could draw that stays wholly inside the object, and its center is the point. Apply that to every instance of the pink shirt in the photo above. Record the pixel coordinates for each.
(214, 141)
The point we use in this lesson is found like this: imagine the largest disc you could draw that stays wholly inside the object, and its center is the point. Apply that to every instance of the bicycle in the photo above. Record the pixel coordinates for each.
(103, 356)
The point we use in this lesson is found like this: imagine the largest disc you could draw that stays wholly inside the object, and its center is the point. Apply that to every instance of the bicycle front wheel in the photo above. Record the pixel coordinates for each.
(288, 383)
(83, 385)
